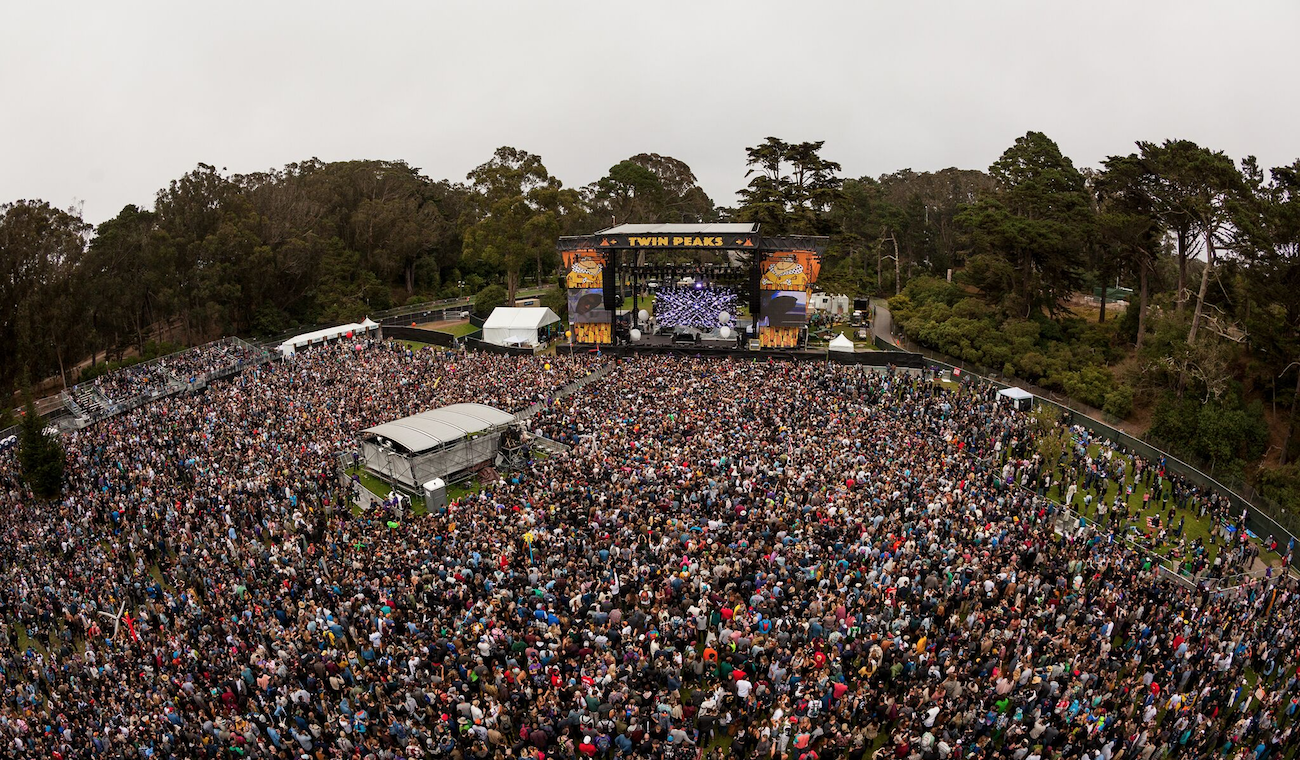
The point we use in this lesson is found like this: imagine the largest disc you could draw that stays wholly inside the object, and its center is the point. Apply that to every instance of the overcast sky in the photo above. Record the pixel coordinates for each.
(105, 102)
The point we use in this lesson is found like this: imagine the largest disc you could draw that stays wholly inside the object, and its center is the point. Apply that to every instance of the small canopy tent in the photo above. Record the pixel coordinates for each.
(1018, 397)
(842, 343)
(520, 326)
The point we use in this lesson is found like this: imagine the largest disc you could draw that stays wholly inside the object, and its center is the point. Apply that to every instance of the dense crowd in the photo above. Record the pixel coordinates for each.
(757, 559)
(129, 383)
(212, 360)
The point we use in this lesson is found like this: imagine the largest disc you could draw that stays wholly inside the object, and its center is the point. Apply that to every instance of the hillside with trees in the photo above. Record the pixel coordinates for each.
(1013, 269)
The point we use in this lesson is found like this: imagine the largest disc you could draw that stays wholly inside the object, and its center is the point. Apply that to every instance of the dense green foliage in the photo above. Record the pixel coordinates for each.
(1068, 355)
(488, 299)
(1225, 434)
(40, 455)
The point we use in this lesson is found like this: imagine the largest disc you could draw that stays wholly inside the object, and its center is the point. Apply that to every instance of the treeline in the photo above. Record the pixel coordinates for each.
(260, 253)
(1208, 349)
(991, 264)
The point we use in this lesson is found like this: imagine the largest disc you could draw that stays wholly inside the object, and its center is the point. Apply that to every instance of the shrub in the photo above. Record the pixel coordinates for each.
(1119, 402)
(488, 299)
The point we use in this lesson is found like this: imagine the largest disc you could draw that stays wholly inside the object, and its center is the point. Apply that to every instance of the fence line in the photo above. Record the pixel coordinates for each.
(886, 358)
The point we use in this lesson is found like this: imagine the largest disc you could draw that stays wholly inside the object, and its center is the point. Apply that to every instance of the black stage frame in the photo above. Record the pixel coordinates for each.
(744, 250)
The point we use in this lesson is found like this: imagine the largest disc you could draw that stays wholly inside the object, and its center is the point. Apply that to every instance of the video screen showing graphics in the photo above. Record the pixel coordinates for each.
(587, 305)
(696, 307)
(784, 308)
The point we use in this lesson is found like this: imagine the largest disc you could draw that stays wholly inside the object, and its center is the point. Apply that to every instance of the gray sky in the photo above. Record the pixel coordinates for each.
(105, 103)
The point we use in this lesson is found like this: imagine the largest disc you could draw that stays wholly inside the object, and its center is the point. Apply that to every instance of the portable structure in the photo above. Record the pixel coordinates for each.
(439, 443)
(352, 329)
(520, 326)
(435, 495)
(841, 343)
(835, 305)
(1017, 397)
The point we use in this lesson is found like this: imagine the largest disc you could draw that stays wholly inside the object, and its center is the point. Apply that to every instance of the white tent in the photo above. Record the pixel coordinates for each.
(842, 343)
(291, 345)
(1019, 398)
(518, 326)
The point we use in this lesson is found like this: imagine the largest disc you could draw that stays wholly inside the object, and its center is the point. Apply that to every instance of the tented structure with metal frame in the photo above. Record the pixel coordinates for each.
(520, 326)
(439, 443)
(325, 335)
(1018, 397)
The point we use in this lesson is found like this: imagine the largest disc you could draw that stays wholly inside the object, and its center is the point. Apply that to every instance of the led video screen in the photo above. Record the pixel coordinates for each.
(784, 308)
(693, 307)
(587, 305)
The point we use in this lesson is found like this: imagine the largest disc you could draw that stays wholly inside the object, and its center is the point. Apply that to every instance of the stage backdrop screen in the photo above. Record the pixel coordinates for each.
(587, 305)
(693, 307)
(784, 308)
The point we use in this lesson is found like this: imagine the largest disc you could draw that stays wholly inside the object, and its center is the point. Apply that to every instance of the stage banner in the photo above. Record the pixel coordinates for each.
(789, 270)
(733, 241)
(585, 269)
(592, 333)
(778, 337)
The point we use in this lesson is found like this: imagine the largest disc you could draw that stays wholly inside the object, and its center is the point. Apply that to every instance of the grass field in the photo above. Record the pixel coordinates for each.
(1194, 525)
(459, 331)
(642, 302)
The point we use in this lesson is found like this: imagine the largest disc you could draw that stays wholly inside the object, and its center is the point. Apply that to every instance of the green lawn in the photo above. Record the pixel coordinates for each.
(464, 488)
(1194, 526)
(381, 488)
(459, 331)
(416, 345)
(642, 302)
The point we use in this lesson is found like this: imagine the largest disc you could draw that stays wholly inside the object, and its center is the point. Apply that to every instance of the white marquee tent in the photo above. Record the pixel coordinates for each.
(519, 326)
(327, 334)
(1019, 398)
(842, 343)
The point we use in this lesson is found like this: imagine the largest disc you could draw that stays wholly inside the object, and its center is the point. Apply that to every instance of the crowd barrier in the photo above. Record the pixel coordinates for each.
(474, 344)
(419, 335)
(902, 359)
(446, 340)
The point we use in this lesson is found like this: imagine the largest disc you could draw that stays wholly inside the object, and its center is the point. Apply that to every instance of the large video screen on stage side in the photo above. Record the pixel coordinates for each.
(693, 307)
(784, 308)
(587, 305)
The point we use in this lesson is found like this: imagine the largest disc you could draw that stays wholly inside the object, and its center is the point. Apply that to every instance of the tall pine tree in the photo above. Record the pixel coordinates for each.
(40, 455)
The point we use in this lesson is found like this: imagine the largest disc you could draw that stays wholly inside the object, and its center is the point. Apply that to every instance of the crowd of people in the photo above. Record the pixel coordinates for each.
(213, 360)
(759, 559)
(122, 388)
(130, 383)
